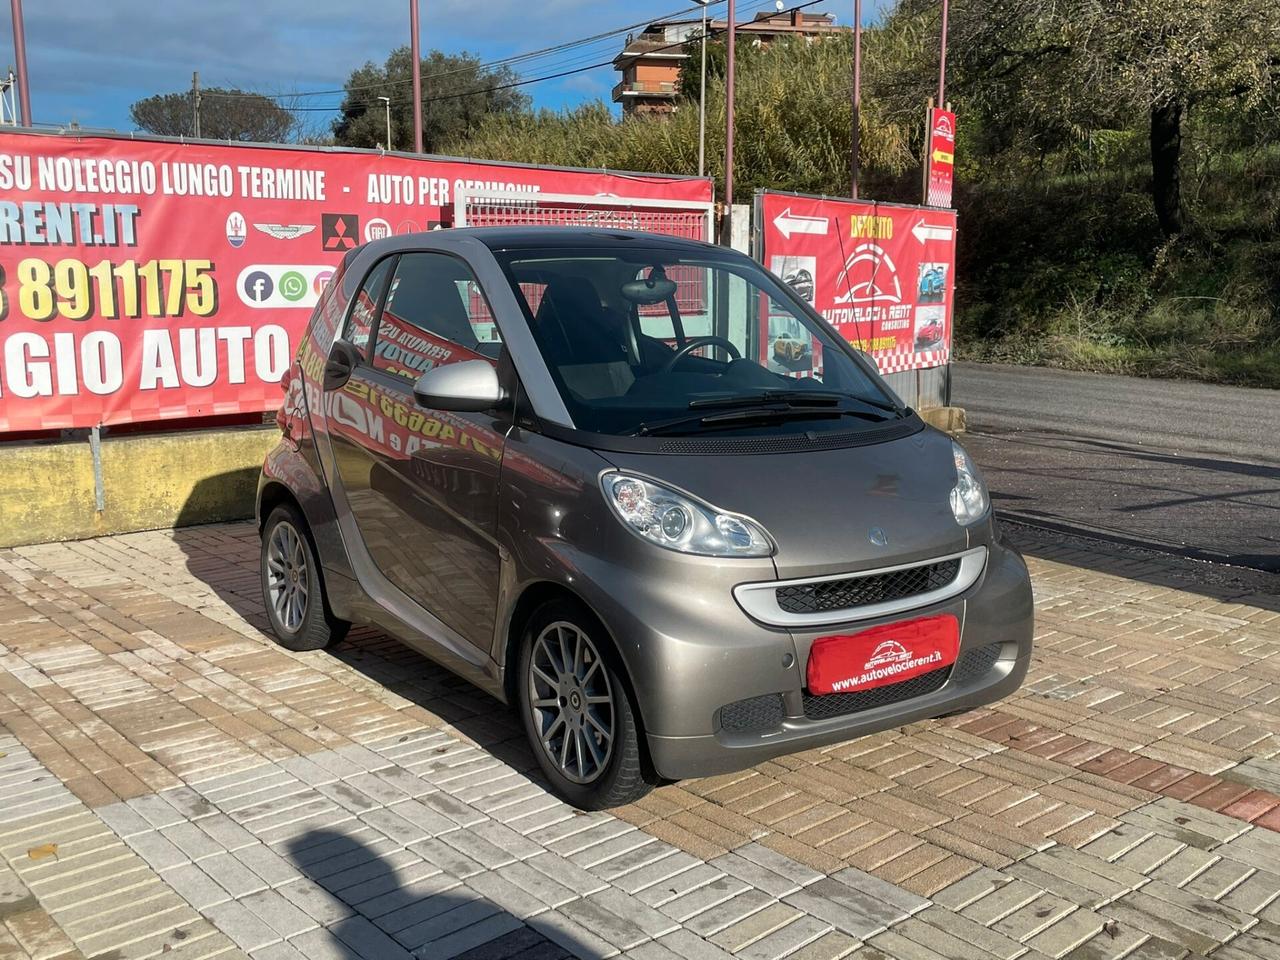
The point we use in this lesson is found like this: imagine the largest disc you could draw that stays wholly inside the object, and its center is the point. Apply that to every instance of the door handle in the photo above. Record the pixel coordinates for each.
(343, 358)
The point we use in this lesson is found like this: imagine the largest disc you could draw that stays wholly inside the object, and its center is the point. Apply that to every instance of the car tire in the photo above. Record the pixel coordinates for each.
(292, 588)
(566, 721)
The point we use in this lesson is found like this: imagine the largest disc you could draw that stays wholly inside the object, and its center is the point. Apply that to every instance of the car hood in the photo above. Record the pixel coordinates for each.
(821, 507)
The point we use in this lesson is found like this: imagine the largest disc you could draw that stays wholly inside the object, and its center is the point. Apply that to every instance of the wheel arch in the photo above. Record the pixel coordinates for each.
(530, 600)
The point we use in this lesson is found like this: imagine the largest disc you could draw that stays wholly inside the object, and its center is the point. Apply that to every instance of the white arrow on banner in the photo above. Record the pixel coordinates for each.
(789, 223)
(927, 231)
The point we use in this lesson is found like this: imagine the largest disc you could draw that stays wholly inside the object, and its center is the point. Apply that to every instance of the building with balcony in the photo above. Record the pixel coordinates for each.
(650, 62)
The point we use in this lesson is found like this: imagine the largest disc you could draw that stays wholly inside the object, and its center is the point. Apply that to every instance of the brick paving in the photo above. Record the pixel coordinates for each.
(171, 783)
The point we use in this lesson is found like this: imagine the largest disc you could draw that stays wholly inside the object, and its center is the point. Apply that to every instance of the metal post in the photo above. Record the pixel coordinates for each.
(8, 113)
(417, 76)
(942, 59)
(20, 55)
(702, 99)
(728, 135)
(386, 102)
(95, 451)
(195, 104)
(855, 157)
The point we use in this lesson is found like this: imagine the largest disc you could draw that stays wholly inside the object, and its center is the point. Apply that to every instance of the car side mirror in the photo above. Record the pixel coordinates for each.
(471, 386)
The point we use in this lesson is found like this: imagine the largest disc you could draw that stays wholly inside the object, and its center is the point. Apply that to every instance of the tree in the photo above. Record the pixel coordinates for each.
(458, 91)
(225, 114)
(1039, 78)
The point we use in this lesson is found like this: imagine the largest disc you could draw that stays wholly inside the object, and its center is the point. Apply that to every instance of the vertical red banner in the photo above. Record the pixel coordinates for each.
(942, 157)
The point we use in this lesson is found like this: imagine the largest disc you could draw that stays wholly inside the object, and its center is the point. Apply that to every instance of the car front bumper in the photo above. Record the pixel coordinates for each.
(694, 661)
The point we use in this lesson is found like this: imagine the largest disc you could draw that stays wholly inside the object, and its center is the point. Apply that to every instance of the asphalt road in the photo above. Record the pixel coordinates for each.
(1179, 466)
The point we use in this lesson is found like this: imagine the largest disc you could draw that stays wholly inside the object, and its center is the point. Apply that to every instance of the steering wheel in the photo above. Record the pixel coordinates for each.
(694, 344)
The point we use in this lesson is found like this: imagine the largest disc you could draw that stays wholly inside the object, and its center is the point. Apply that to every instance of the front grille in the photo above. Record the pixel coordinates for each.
(971, 665)
(756, 713)
(862, 591)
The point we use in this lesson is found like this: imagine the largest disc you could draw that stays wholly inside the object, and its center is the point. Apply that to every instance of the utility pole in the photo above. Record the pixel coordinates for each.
(728, 134)
(942, 60)
(855, 157)
(195, 103)
(20, 55)
(702, 98)
(417, 76)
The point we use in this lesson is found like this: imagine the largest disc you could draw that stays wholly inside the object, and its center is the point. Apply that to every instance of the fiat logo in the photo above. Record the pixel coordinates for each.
(878, 537)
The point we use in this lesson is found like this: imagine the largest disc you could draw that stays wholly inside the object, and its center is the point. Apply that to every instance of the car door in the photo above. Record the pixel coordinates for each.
(422, 484)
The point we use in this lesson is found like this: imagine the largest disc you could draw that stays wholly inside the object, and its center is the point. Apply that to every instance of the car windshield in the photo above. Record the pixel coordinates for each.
(651, 341)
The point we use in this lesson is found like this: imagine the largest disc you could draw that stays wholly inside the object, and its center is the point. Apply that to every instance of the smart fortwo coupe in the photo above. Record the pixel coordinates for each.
(557, 461)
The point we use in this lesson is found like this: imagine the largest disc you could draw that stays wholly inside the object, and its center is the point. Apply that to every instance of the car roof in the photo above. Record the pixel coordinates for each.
(551, 237)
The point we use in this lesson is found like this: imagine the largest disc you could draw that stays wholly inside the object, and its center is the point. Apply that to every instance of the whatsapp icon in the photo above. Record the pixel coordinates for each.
(293, 286)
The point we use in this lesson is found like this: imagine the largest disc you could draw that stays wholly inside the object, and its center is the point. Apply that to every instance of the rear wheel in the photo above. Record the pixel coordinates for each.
(291, 586)
(576, 710)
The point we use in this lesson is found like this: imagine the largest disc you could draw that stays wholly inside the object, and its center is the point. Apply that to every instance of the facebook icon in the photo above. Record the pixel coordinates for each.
(258, 286)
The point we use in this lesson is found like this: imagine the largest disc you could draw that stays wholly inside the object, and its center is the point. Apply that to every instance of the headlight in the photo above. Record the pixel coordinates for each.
(678, 522)
(969, 500)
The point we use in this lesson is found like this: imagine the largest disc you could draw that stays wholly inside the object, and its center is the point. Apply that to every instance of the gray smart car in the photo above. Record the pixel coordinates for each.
(563, 463)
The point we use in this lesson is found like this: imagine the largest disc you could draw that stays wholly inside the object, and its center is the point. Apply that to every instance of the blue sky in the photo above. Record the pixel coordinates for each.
(90, 59)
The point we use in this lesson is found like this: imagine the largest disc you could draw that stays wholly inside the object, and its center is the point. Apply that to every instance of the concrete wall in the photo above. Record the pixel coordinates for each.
(47, 490)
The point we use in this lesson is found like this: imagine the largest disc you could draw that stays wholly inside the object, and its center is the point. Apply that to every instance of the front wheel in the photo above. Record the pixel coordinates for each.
(576, 710)
(291, 586)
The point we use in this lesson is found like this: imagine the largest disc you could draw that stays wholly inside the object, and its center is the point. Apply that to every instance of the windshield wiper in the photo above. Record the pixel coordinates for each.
(815, 397)
(791, 397)
(738, 418)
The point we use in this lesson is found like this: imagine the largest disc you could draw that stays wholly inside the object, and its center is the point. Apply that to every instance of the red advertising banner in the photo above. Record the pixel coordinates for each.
(145, 280)
(882, 274)
(942, 157)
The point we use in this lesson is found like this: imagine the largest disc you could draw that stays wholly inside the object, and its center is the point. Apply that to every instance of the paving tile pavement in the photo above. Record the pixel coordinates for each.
(172, 783)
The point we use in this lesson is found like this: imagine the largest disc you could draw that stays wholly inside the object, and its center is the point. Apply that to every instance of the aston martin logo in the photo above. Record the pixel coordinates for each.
(285, 231)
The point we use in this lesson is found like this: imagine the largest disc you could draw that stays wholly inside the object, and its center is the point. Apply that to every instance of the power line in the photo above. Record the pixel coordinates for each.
(348, 105)
(505, 61)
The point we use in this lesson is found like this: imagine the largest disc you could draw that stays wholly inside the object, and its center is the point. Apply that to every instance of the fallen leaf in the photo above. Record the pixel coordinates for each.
(180, 934)
(1181, 820)
(1043, 912)
(1111, 928)
(43, 851)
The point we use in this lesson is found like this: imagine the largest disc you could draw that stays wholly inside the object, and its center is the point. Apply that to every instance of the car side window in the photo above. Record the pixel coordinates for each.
(435, 314)
(359, 326)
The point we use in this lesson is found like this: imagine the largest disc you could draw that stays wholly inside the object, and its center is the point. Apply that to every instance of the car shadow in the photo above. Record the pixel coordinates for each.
(405, 902)
(225, 557)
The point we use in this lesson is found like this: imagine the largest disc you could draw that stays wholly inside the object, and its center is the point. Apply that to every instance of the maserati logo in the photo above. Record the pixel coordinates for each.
(878, 537)
(285, 231)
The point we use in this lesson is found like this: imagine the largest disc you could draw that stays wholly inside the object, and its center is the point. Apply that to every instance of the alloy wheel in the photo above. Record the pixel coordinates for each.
(287, 576)
(571, 700)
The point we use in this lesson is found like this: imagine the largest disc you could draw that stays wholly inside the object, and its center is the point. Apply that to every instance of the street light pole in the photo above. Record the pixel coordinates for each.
(20, 55)
(386, 102)
(417, 76)
(702, 99)
(855, 157)
(728, 134)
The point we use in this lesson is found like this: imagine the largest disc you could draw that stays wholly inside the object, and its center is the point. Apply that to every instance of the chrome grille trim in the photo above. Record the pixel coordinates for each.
(760, 600)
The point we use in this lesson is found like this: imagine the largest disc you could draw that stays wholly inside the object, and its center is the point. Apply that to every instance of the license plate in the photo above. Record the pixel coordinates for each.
(890, 653)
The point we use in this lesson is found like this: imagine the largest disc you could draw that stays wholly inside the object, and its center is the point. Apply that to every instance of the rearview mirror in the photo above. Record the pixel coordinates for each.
(650, 290)
(467, 387)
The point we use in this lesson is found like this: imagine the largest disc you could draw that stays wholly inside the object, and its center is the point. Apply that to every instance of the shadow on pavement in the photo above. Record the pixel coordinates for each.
(225, 557)
(403, 902)
(1228, 584)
